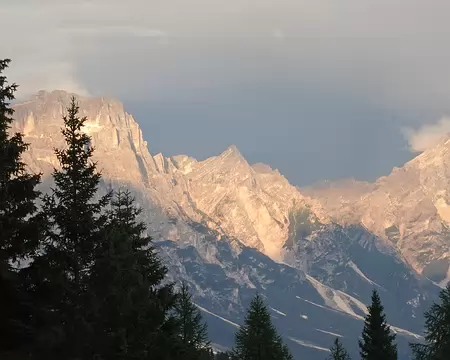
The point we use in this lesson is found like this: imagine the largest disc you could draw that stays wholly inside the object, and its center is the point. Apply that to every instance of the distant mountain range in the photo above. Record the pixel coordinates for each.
(230, 229)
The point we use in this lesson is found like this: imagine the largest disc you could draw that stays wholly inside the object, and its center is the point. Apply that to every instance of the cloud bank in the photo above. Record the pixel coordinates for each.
(390, 54)
(427, 135)
(259, 72)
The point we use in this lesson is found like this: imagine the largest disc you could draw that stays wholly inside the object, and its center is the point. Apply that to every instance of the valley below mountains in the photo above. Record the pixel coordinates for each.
(229, 229)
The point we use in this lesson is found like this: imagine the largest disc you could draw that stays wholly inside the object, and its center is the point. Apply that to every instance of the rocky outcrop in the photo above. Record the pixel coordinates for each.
(409, 209)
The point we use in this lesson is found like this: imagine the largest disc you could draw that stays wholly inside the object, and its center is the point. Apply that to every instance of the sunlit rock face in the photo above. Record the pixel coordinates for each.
(409, 209)
(225, 192)
(229, 228)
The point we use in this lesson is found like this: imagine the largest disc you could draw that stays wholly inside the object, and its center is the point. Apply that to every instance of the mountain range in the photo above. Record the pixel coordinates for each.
(230, 229)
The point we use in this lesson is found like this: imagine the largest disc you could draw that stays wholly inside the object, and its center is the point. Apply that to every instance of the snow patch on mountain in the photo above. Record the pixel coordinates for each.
(337, 299)
(313, 303)
(308, 344)
(329, 333)
(406, 332)
(360, 273)
(217, 316)
(278, 311)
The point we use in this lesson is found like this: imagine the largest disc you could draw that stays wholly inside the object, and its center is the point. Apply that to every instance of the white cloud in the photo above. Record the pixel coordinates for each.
(391, 54)
(55, 74)
(427, 135)
(45, 47)
(349, 65)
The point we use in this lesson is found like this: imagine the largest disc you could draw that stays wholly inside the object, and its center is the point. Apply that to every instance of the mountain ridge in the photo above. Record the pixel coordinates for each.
(229, 228)
(408, 208)
(260, 199)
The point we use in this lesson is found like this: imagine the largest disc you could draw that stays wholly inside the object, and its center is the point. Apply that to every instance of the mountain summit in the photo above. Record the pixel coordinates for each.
(409, 209)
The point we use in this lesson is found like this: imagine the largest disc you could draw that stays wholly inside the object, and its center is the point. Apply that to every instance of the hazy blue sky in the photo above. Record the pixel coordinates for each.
(320, 89)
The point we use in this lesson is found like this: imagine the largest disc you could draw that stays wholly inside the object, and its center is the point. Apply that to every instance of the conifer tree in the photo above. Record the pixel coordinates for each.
(193, 332)
(222, 356)
(437, 336)
(60, 274)
(378, 342)
(338, 351)
(19, 225)
(258, 339)
(132, 307)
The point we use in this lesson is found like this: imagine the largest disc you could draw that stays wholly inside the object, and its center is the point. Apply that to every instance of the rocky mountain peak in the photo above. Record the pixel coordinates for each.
(115, 134)
(224, 191)
(232, 152)
(48, 107)
(409, 209)
(228, 166)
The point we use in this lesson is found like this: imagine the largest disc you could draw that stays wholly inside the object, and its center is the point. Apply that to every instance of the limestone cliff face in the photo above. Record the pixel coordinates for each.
(219, 224)
(117, 138)
(254, 204)
(255, 207)
(409, 209)
(225, 193)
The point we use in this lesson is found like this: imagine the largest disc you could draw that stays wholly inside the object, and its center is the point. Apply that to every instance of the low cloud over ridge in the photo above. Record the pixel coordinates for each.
(427, 135)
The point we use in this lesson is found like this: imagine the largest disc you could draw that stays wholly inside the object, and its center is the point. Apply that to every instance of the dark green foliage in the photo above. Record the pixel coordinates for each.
(193, 332)
(59, 276)
(131, 307)
(258, 339)
(18, 233)
(19, 226)
(378, 342)
(437, 324)
(222, 356)
(338, 351)
(205, 354)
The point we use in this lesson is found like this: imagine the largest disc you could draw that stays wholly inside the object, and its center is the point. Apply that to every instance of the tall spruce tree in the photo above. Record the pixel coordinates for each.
(132, 308)
(338, 351)
(258, 339)
(437, 336)
(193, 331)
(59, 275)
(19, 226)
(378, 342)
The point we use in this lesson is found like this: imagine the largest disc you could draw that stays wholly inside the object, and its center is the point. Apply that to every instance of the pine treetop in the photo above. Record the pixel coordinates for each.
(78, 179)
(378, 342)
(131, 310)
(437, 333)
(194, 332)
(18, 232)
(73, 214)
(6, 96)
(258, 339)
(74, 222)
(338, 351)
